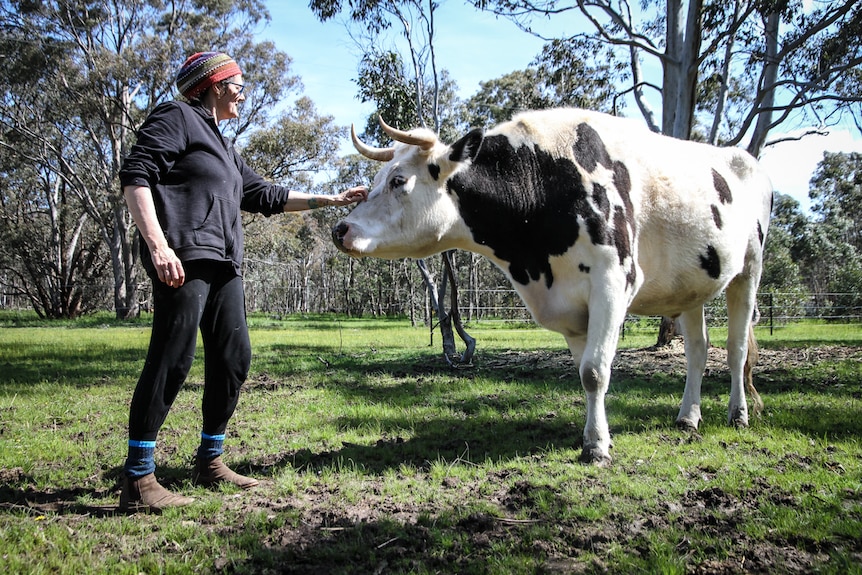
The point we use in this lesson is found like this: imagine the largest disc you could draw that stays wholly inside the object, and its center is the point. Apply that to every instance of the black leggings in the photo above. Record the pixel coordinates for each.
(213, 300)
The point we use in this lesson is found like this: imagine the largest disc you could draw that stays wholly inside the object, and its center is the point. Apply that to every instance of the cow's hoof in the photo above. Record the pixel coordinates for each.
(595, 456)
(686, 425)
(738, 418)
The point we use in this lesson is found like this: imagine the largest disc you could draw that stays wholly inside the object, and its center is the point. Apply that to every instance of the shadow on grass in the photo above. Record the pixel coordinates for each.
(474, 440)
(85, 368)
(18, 494)
(541, 407)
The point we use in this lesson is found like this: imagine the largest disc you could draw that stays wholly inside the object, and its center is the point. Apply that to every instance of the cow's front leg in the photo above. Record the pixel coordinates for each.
(597, 437)
(605, 318)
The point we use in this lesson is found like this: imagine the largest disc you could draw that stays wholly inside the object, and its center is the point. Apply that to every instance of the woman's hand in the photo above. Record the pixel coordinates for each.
(168, 266)
(351, 196)
(298, 201)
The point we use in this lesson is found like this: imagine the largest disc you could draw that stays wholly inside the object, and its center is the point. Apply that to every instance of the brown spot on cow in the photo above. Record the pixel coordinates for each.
(622, 239)
(716, 216)
(721, 187)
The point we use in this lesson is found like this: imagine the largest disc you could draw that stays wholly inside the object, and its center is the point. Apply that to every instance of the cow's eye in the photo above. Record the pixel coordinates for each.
(397, 182)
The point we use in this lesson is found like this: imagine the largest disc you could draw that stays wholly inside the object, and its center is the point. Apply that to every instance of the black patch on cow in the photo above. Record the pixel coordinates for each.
(623, 184)
(583, 268)
(589, 149)
(711, 263)
(524, 204)
(760, 232)
(434, 170)
(600, 199)
(622, 240)
(597, 228)
(721, 187)
(590, 152)
(716, 216)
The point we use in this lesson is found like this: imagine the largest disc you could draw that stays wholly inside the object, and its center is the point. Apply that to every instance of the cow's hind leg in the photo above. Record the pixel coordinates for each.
(741, 299)
(693, 326)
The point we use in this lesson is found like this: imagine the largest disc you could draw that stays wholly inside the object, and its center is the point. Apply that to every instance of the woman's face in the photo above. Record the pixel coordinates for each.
(229, 97)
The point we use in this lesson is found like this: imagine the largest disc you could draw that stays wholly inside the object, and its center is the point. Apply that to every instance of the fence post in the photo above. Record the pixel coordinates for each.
(771, 310)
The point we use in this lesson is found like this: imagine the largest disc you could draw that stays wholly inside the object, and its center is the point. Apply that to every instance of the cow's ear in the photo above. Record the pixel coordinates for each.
(467, 147)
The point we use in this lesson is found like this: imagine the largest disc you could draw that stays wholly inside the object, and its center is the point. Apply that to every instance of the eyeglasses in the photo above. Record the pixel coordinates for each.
(240, 87)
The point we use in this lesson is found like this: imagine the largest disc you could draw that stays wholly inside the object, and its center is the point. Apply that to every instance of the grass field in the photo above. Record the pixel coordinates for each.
(376, 457)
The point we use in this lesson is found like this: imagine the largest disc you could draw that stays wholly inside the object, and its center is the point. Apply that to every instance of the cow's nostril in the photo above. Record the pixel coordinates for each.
(339, 230)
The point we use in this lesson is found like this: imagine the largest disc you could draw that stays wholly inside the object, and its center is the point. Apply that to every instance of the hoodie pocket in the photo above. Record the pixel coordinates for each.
(200, 220)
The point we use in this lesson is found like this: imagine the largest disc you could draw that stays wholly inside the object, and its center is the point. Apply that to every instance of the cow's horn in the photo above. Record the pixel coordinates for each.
(425, 142)
(379, 154)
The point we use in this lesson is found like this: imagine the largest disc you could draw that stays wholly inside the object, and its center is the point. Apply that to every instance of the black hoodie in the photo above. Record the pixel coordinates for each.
(199, 184)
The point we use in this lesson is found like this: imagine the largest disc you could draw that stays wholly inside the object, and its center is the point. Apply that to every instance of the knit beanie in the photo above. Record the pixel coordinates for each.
(202, 70)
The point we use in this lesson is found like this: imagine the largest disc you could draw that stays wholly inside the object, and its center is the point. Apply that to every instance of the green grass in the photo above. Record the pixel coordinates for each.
(378, 457)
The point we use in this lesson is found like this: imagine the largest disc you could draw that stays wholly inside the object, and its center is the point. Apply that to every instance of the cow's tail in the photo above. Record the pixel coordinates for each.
(755, 402)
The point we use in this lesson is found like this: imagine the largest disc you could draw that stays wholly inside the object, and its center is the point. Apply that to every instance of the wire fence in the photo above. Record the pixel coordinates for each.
(504, 304)
(775, 308)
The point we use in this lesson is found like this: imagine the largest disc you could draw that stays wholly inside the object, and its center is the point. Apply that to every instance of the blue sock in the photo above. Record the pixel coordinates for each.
(141, 459)
(211, 446)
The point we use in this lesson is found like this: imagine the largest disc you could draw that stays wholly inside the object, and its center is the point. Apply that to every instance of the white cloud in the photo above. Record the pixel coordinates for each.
(791, 164)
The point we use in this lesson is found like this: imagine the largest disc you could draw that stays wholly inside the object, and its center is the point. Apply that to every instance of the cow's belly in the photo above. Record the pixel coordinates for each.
(675, 279)
(654, 299)
(562, 309)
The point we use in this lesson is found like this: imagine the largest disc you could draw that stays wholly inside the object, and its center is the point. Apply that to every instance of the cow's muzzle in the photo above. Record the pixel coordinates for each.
(340, 230)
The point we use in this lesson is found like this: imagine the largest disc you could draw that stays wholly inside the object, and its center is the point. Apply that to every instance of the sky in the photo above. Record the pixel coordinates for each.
(477, 47)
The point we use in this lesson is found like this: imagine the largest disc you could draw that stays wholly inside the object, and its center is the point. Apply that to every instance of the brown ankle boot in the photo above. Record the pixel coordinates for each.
(145, 494)
(213, 471)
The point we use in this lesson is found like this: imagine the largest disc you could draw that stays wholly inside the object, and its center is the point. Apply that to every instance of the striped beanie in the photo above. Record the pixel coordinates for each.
(202, 70)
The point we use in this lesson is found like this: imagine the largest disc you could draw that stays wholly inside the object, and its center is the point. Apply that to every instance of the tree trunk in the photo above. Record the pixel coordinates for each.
(666, 332)
(445, 319)
(470, 341)
(680, 91)
(770, 77)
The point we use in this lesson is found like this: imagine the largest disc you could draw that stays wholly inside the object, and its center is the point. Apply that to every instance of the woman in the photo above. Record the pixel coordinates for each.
(185, 186)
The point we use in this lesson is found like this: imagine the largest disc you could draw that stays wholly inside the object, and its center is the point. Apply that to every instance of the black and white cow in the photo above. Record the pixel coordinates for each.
(590, 216)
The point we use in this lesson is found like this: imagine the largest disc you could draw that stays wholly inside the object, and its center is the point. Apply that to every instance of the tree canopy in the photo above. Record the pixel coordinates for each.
(744, 69)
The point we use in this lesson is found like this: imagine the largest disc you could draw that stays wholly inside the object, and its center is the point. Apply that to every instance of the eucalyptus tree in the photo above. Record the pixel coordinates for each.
(286, 256)
(556, 77)
(725, 72)
(60, 274)
(412, 90)
(51, 254)
(782, 276)
(498, 99)
(835, 257)
(109, 64)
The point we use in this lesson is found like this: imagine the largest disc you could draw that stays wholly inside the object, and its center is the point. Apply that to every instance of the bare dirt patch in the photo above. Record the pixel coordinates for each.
(671, 359)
